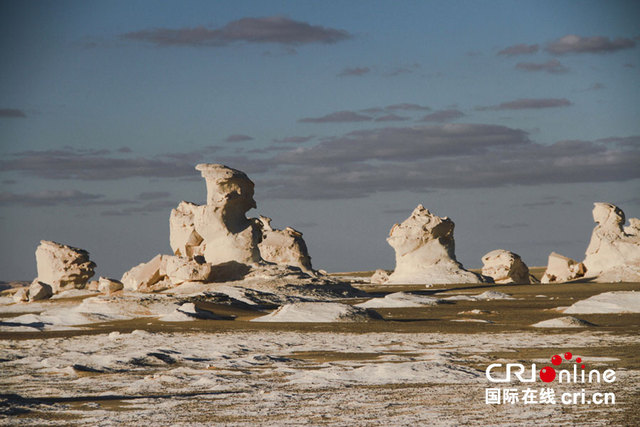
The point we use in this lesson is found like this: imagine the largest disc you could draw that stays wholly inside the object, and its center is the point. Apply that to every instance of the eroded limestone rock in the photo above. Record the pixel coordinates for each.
(613, 254)
(379, 277)
(21, 295)
(562, 269)
(109, 286)
(63, 267)
(219, 230)
(425, 251)
(505, 267)
(284, 247)
(166, 271)
(39, 291)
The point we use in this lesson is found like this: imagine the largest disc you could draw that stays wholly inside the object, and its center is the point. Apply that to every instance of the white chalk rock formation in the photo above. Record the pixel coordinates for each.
(613, 254)
(63, 267)
(21, 295)
(166, 271)
(285, 247)
(39, 291)
(425, 251)
(562, 269)
(379, 277)
(219, 230)
(505, 267)
(109, 286)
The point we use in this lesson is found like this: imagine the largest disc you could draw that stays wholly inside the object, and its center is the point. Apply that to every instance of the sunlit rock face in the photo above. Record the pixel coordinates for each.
(562, 269)
(613, 254)
(425, 251)
(285, 247)
(505, 267)
(63, 267)
(216, 242)
(219, 231)
(166, 271)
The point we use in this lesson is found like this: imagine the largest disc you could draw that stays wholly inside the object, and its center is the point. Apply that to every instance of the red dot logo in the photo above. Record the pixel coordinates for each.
(556, 360)
(548, 374)
(578, 360)
(568, 355)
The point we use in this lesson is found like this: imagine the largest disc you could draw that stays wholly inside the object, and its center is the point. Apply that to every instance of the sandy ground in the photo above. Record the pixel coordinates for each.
(416, 366)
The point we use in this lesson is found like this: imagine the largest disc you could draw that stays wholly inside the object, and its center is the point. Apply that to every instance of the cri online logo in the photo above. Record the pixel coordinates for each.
(548, 373)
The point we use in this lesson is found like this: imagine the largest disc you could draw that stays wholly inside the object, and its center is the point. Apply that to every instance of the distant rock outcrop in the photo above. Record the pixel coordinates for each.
(562, 269)
(505, 267)
(284, 247)
(63, 267)
(425, 251)
(613, 254)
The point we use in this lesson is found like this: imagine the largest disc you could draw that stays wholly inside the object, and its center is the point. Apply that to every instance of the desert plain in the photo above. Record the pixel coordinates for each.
(420, 365)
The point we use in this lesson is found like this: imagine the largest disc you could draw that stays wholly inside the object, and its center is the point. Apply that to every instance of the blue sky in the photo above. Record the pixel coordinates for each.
(511, 118)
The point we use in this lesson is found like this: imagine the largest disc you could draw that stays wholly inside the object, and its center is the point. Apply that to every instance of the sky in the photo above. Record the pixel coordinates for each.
(511, 118)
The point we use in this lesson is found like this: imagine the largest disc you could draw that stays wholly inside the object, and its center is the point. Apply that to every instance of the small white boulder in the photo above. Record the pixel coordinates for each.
(505, 267)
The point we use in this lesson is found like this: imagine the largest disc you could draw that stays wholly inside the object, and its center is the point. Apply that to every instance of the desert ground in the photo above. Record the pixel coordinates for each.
(413, 365)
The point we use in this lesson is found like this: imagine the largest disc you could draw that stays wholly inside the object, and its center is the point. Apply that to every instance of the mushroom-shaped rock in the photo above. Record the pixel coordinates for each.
(39, 291)
(562, 269)
(613, 254)
(425, 251)
(220, 230)
(63, 267)
(505, 267)
(286, 247)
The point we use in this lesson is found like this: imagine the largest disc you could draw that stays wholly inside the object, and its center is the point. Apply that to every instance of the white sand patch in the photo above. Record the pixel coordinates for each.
(187, 312)
(401, 299)
(64, 315)
(472, 320)
(73, 293)
(488, 295)
(320, 312)
(386, 373)
(477, 311)
(608, 302)
(563, 322)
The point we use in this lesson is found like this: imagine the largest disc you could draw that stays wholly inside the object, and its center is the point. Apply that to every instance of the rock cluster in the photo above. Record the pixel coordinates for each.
(613, 254)
(425, 251)
(35, 292)
(63, 267)
(216, 242)
(505, 267)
